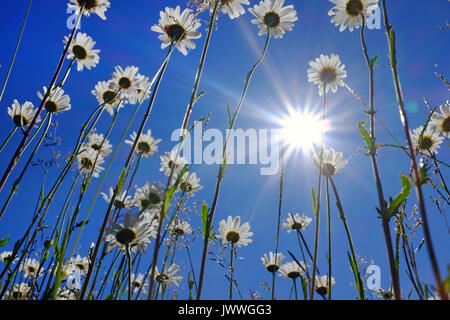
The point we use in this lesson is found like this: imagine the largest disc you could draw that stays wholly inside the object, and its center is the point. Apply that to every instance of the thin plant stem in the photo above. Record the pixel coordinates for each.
(319, 192)
(130, 293)
(230, 291)
(280, 202)
(16, 156)
(8, 137)
(295, 288)
(198, 76)
(349, 238)
(373, 157)
(16, 183)
(418, 181)
(117, 190)
(15, 50)
(329, 238)
(223, 165)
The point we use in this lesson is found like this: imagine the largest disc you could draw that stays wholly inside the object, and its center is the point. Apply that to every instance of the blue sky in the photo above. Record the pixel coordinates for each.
(280, 83)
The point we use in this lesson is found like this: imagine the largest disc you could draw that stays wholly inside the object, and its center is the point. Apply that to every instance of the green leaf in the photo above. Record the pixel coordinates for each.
(4, 241)
(313, 191)
(109, 297)
(365, 135)
(204, 216)
(169, 193)
(359, 285)
(201, 94)
(401, 197)
(374, 59)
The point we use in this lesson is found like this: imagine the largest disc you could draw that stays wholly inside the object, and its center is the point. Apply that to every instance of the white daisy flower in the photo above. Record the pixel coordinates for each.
(384, 294)
(90, 161)
(57, 101)
(66, 294)
(168, 163)
(349, 13)
(292, 270)
(232, 232)
(441, 122)
(22, 115)
(234, 8)
(146, 145)
(128, 83)
(169, 276)
(178, 28)
(80, 265)
(150, 196)
(95, 141)
(6, 256)
(296, 222)
(18, 292)
(272, 263)
(180, 228)
(121, 202)
(190, 183)
(138, 283)
(332, 162)
(271, 15)
(81, 49)
(135, 231)
(327, 72)
(97, 7)
(30, 268)
(321, 284)
(106, 96)
(429, 140)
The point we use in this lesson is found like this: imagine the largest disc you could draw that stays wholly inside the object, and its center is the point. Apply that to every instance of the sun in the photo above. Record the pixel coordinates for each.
(303, 130)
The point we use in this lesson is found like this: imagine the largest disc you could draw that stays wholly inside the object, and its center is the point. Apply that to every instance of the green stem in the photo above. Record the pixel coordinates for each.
(359, 284)
(222, 167)
(329, 238)
(15, 51)
(8, 137)
(130, 293)
(418, 181)
(230, 294)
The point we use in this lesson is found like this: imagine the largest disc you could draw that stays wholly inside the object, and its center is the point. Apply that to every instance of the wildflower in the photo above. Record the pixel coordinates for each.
(121, 202)
(30, 267)
(99, 144)
(271, 15)
(296, 222)
(81, 265)
(57, 101)
(180, 228)
(441, 122)
(137, 282)
(18, 292)
(97, 7)
(128, 83)
(232, 232)
(22, 115)
(428, 140)
(234, 8)
(272, 262)
(146, 145)
(169, 163)
(190, 183)
(332, 162)
(150, 196)
(292, 270)
(321, 284)
(327, 72)
(350, 13)
(106, 96)
(169, 276)
(177, 28)
(89, 162)
(135, 232)
(6, 257)
(81, 49)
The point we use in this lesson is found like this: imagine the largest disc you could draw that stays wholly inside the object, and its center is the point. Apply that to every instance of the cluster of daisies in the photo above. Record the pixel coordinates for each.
(31, 270)
(233, 233)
